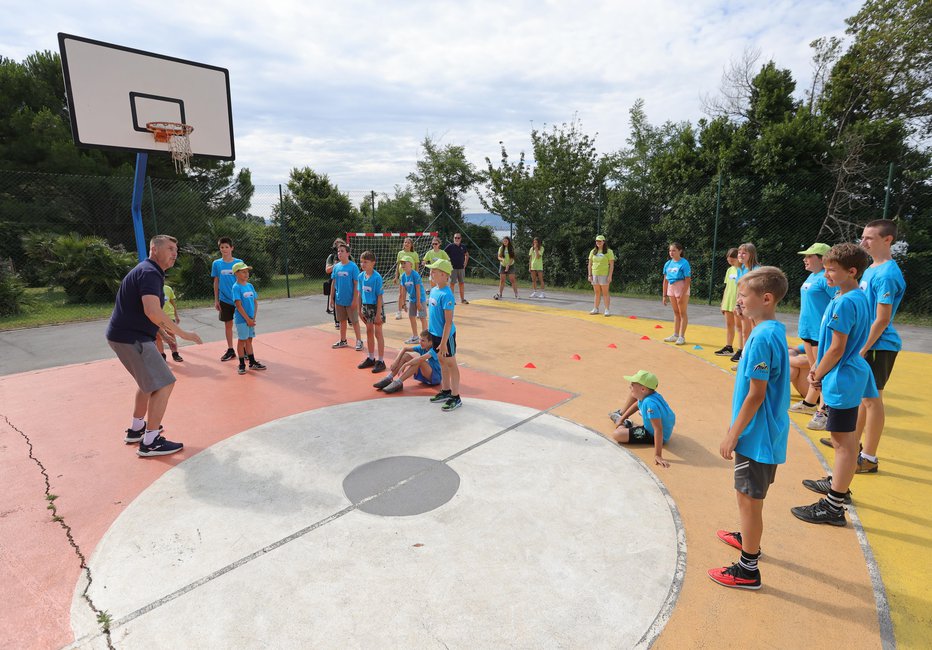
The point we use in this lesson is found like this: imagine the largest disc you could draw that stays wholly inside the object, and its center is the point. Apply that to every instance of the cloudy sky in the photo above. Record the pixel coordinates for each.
(351, 88)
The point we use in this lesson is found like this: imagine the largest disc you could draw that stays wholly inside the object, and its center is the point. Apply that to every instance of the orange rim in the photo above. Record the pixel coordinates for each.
(163, 131)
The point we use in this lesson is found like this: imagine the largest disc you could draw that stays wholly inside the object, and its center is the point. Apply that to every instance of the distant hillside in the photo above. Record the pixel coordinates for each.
(487, 219)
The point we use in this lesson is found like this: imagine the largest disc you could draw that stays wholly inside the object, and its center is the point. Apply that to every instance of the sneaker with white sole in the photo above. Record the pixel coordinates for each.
(383, 382)
(726, 351)
(393, 387)
(397, 315)
(608, 313)
(441, 397)
(818, 422)
(615, 417)
(736, 577)
(358, 346)
(533, 294)
(542, 295)
(595, 310)
(820, 512)
(671, 339)
(159, 447)
(680, 340)
(339, 344)
(412, 340)
(134, 436)
(822, 486)
(452, 404)
(800, 407)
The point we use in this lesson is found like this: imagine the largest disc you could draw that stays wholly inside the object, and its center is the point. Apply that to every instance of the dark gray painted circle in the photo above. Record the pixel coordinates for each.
(401, 485)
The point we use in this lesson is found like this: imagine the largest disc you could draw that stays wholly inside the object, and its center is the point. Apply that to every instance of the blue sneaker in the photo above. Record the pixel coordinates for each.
(159, 447)
(134, 436)
(452, 404)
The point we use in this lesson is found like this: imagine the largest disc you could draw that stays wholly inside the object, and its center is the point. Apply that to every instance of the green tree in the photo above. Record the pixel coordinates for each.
(443, 177)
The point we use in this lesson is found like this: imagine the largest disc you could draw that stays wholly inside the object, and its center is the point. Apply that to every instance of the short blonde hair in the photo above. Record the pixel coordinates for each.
(766, 279)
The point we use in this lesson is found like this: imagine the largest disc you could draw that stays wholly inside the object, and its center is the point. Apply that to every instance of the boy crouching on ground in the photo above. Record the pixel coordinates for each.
(419, 361)
(658, 417)
(760, 423)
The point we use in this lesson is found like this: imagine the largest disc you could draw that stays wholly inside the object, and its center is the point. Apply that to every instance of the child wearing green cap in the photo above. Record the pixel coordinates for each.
(443, 334)
(658, 417)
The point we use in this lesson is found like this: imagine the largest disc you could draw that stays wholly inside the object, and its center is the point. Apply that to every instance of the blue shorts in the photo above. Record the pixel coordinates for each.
(244, 331)
(434, 377)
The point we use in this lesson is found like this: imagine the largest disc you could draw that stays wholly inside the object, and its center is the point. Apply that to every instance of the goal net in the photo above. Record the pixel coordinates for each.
(385, 246)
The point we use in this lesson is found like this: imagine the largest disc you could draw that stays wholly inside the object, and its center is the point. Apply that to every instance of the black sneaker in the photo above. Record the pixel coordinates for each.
(820, 513)
(378, 367)
(368, 362)
(133, 436)
(163, 356)
(452, 404)
(255, 365)
(176, 357)
(340, 344)
(382, 383)
(241, 370)
(726, 351)
(822, 486)
(159, 447)
(229, 355)
(736, 357)
(442, 396)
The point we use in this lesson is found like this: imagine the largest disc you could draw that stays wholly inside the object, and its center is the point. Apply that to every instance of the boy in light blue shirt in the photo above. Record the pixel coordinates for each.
(657, 415)
(417, 298)
(372, 311)
(344, 295)
(244, 318)
(814, 296)
(845, 379)
(440, 306)
(419, 361)
(760, 423)
(221, 270)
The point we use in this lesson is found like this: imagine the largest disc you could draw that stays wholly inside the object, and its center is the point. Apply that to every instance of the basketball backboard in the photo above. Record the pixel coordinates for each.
(113, 91)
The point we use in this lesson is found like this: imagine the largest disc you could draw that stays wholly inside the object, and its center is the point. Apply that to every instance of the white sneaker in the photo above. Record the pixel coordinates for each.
(671, 339)
(799, 407)
(542, 295)
(680, 341)
(358, 346)
(397, 315)
(818, 422)
(608, 313)
(533, 294)
(413, 339)
(594, 311)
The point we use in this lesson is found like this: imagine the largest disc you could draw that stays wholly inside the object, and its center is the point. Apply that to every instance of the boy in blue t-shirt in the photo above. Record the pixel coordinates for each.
(417, 298)
(658, 417)
(814, 296)
(222, 272)
(845, 379)
(344, 295)
(884, 286)
(372, 311)
(443, 334)
(419, 361)
(244, 300)
(759, 420)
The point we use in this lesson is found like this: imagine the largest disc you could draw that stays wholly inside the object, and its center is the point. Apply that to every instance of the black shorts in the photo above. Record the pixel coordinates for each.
(639, 435)
(753, 478)
(368, 314)
(841, 420)
(881, 363)
(451, 344)
(226, 311)
(814, 344)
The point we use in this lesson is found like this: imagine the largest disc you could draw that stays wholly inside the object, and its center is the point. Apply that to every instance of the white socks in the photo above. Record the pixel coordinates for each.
(138, 423)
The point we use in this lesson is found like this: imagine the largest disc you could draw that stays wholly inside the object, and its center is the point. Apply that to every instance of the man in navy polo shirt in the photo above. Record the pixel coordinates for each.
(459, 258)
(137, 317)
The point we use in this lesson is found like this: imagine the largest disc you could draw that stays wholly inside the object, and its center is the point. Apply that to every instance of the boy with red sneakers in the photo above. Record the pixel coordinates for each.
(760, 423)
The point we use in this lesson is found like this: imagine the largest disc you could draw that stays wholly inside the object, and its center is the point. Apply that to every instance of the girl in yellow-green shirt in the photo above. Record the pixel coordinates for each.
(601, 267)
(536, 267)
(506, 267)
(435, 253)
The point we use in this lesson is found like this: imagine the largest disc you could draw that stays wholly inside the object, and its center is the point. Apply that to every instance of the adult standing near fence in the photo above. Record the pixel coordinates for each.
(601, 267)
(459, 259)
(136, 319)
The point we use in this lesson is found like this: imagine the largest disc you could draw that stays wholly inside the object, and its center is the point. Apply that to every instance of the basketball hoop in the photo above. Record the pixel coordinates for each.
(176, 135)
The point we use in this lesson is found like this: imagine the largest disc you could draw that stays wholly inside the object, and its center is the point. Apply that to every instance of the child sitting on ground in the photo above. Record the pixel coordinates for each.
(658, 417)
(419, 361)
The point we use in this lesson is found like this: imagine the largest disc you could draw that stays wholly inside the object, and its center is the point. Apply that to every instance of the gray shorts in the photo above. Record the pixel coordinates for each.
(458, 276)
(145, 363)
(753, 478)
(346, 313)
(599, 280)
(413, 310)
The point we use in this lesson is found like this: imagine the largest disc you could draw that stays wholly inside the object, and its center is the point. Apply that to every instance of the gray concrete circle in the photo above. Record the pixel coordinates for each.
(401, 486)
(556, 538)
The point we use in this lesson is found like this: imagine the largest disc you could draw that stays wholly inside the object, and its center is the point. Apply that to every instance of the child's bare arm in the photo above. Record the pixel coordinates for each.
(755, 397)
(657, 423)
(831, 357)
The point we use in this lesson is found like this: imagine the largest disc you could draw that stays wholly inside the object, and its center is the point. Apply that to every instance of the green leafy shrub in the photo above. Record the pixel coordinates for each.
(13, 297)
(87, 268)
(190, 276)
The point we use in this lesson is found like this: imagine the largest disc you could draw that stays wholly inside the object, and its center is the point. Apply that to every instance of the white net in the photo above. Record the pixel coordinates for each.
(180, 147)
(385, 246)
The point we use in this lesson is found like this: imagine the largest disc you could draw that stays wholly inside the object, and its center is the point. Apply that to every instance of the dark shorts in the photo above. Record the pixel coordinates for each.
(753, 478)
(503, 271)
(881, 363)
(814, 344)
(451, 344)
(841, 420)
(368, 314)
(145, 363)
(226, 311)
(639, 435)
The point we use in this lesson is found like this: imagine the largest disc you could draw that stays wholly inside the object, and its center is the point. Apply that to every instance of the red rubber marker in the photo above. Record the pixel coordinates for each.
(529, 365)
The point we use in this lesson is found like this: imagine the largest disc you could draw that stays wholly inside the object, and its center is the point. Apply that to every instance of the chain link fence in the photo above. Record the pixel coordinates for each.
(65, 241)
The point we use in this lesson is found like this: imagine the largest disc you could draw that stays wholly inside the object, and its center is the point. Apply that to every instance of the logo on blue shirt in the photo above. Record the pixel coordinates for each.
(761, 366)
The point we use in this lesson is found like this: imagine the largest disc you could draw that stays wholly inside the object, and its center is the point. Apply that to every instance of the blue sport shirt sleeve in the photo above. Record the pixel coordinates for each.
(843, 317)
(378, 284)
(447, 302)
(760, 360)
(887, 289)
(687, 270)
(215, 269)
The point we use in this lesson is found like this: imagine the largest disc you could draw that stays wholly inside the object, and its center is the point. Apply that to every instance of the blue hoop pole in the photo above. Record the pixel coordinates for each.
(138, 190)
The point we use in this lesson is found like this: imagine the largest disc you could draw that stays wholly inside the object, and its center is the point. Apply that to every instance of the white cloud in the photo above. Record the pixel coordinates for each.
(351, 88)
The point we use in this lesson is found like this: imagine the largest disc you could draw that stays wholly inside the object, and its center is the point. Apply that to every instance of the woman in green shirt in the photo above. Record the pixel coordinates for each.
(536, 267)
(435, 253)
(601, 268)
(506, 267)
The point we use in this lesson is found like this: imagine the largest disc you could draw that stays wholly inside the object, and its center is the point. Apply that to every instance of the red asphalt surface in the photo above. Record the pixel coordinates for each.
(74, 417)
